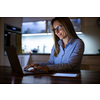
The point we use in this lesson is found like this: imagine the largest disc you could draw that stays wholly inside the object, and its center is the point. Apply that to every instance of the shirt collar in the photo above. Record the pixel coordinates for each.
(70, 41)
(60, 42)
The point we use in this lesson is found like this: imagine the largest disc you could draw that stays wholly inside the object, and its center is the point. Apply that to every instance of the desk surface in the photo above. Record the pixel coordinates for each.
(7, 76)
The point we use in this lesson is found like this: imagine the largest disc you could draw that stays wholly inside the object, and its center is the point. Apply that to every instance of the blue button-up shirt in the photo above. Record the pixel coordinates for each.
(68, 58)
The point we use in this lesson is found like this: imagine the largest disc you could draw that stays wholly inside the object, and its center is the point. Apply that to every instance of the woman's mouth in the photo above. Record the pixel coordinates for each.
(59, 35)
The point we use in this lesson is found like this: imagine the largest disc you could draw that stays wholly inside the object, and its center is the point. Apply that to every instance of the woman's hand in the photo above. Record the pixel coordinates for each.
(36, 66)
(42, 68)
(32, 65)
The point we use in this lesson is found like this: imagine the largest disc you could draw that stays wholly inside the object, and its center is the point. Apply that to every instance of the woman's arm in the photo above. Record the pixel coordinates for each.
(50, 61)
(74, 60)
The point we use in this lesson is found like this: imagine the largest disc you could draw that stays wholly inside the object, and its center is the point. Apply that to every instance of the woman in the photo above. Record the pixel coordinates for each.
(67, 51)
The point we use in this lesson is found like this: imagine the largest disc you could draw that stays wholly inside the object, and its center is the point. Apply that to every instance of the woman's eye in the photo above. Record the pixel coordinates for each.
(59, 27)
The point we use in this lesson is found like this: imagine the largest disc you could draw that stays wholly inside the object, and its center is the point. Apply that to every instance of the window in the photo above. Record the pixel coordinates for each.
(34, 27)
(77, 24)
(45, 26)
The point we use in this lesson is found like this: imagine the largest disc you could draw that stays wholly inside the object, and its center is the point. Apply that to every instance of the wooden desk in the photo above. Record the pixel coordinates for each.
(7, 76)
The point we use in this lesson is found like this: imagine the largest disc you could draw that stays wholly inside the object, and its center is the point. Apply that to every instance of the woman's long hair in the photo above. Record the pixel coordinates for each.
(68, 28)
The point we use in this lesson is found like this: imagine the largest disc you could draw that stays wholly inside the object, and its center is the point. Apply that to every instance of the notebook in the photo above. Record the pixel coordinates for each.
(15, 64)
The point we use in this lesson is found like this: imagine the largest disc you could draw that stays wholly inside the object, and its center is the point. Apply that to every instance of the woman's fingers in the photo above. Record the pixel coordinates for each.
(28, 66)
(37, 67)
(42, 68)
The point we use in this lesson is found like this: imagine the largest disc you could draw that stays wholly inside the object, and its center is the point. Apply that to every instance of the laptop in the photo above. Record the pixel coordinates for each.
(15, 64)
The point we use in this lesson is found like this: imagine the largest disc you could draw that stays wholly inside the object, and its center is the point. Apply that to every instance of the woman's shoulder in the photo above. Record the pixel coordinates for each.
(78, 40)
(79, 43)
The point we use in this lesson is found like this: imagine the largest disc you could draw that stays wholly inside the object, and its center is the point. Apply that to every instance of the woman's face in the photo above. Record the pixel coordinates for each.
(58, 30)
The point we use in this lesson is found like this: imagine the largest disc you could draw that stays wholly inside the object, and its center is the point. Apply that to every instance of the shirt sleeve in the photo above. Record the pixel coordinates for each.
(50, 61)
(77, 54)
(74, 59)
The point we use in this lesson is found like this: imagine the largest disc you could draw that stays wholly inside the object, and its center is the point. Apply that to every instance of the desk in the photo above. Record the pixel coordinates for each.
(7, 76)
